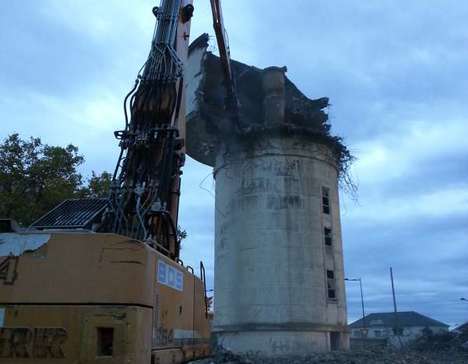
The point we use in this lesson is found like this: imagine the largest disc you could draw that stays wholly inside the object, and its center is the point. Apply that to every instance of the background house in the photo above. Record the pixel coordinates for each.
(461, 329)
(380, 328)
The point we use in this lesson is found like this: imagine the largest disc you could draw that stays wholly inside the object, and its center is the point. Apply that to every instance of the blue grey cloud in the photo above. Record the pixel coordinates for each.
(397, 79)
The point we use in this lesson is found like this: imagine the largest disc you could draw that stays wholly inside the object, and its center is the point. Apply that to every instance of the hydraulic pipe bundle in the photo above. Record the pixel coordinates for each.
(146, 183)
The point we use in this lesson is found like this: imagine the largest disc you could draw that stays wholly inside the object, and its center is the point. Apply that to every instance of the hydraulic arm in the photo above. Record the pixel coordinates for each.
(146, 182)
(231, 102)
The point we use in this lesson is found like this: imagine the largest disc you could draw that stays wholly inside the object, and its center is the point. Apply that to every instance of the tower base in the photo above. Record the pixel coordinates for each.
(281, 343)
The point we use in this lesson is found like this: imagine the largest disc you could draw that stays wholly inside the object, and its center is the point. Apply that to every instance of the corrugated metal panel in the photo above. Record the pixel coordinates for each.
(72, 214)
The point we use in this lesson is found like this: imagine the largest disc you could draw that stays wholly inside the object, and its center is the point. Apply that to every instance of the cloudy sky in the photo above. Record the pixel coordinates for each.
(396, 73)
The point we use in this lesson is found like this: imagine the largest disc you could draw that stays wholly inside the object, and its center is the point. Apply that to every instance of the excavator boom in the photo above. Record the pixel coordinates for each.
(225, 57)
(146, 183)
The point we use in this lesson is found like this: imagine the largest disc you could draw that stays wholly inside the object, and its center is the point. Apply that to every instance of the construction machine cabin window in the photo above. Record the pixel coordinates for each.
(331, 285)
(105, 341)
(326, 200)
(327, 234)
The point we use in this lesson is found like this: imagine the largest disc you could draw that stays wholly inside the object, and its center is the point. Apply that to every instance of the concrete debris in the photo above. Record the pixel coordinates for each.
(257, 95)
(450, 348)
(268, 102)
(371, 356)
(450, 343)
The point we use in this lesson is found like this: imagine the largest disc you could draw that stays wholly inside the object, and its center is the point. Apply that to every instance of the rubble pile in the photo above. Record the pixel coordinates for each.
(441, 349)
(446, 346)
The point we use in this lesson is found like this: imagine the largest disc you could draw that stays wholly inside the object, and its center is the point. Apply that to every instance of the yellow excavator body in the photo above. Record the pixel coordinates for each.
(83, 297)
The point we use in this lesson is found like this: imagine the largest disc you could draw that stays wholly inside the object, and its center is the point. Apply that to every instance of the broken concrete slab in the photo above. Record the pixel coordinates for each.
(268, 100)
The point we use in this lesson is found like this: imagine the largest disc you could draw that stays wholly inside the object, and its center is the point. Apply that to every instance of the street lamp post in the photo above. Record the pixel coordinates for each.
(362, 299)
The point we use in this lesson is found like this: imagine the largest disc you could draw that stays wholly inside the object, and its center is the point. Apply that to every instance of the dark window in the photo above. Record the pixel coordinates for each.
(427, 331)
(105, 341)
(327, 232)
(331, 285)
(334, 340)
(326, 200)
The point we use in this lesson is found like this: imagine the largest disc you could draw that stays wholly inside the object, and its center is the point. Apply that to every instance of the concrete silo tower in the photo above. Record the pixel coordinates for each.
(279, 278)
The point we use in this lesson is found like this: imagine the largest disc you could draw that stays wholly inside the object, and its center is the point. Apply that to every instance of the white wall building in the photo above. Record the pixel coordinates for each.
(384, 326)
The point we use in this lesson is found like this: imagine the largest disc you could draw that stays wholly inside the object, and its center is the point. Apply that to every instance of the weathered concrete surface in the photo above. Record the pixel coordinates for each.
(270, 257)
(264, 102)
(271, 262)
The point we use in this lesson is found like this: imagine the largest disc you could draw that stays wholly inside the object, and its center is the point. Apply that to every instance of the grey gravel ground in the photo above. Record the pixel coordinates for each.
(448, 349)
(352, 357)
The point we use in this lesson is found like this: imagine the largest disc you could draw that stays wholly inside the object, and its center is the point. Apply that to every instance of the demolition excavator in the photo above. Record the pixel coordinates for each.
(101, 280)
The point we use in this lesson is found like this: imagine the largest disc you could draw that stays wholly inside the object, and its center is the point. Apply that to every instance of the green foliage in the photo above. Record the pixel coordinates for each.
(98, 185)
(35, 177)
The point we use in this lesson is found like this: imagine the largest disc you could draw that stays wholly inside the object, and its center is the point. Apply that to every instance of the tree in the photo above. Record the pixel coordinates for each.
(98, 185)
(35, 177)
